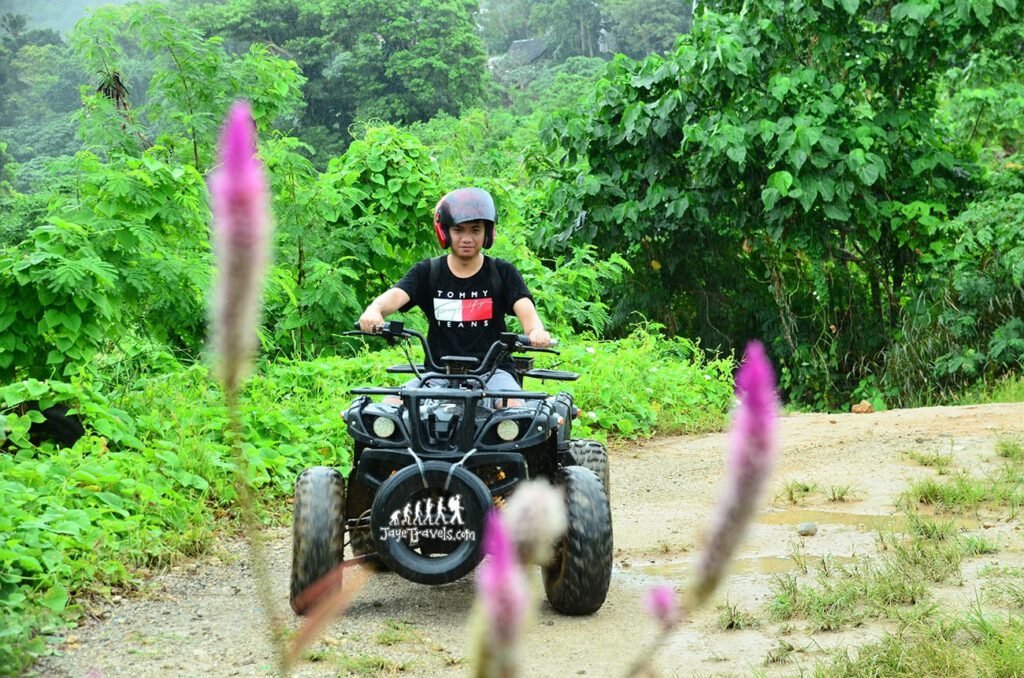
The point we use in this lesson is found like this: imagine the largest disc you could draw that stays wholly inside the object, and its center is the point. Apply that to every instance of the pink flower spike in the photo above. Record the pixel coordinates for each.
(501, 584)
(752, 442)
(662, 605)
(239, 199)
(753, 429)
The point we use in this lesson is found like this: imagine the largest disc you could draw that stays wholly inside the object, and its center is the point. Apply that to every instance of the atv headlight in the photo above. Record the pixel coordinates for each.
(383, 427)
(508, 429)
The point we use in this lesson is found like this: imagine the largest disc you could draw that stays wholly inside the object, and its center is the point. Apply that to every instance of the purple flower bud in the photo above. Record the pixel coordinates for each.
(662, 605)
(501, 584)
(752, 452)
(241, 231)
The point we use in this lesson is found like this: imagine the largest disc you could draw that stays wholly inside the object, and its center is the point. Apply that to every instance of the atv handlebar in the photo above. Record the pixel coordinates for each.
(509, 343)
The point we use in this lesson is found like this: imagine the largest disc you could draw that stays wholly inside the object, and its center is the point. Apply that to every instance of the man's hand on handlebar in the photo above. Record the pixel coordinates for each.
(371, 321)
(539, 338)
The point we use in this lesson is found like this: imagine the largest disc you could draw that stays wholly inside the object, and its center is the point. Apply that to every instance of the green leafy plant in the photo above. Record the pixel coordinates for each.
(820, 174)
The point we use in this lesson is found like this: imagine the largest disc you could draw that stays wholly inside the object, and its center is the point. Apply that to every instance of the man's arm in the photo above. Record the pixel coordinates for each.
(530, 320)
(381, 307)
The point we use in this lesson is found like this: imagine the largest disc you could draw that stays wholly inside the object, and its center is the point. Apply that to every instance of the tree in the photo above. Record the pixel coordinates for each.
(191, 83)
(406, 60)
(779, 175)
(570, 27)
(641, 27)
(504, 21)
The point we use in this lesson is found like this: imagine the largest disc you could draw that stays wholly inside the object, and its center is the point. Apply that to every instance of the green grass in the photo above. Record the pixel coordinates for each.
(1007, 389)
(396, 632)
(732, 618)
(937, 460)
(840, 493)
(1010, 449)
(843, 595)
(370, 665)
(795, 491)
(978, 545)
(932, 529)
(959, 494)
(976, 644)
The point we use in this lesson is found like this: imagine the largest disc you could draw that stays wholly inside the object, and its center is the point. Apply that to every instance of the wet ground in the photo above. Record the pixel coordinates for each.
(202, 618)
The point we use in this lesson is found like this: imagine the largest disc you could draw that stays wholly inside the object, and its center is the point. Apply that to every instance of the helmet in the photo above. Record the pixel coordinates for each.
(464, 204)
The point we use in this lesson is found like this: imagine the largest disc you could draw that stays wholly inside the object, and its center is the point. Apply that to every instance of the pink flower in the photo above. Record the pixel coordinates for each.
(751, 456)
(662, 605)
(241, 229)
(501, 584)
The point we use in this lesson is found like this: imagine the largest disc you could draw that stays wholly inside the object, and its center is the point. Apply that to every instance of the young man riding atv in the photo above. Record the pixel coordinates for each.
(467, 295)
(437, 454)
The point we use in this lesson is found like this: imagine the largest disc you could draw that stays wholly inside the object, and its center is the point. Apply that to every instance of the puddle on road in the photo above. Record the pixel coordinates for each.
(862, 521)
(766, 565)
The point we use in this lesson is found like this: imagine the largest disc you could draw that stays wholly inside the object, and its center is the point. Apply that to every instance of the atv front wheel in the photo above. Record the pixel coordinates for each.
(318, 533)
(576, 580)
(593, 455)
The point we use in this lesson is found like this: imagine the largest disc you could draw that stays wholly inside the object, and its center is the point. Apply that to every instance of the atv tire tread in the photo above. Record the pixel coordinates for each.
(577, 579)
(593, 455)
(318, 530)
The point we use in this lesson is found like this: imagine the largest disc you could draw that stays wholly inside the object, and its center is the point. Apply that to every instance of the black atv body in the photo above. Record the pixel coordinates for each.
(426, 470)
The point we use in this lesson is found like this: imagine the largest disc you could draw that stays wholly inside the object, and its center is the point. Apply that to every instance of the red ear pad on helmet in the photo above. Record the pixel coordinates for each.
(442, 235)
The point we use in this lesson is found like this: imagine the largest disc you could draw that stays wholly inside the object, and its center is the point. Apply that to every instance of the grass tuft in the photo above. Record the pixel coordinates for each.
(732, 618)
(795, 491)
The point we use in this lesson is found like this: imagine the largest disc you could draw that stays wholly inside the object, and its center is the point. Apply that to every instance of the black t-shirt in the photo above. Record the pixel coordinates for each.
(465, 315)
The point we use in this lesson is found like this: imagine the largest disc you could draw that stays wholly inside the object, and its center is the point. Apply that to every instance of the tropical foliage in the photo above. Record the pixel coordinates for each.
(843, 180)
(763, 183)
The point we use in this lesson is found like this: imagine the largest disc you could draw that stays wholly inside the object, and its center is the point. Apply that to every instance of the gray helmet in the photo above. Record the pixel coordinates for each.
(461, 205)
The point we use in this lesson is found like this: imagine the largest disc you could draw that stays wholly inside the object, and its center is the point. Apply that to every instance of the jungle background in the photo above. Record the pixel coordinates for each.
(842, 180)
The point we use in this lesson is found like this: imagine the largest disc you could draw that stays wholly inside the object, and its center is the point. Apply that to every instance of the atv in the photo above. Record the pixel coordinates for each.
(430, 461)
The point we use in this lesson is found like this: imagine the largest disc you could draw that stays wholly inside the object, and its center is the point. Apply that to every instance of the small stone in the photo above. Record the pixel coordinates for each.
(116, 599)
(988, 525)
(863, 407)
(807, 529)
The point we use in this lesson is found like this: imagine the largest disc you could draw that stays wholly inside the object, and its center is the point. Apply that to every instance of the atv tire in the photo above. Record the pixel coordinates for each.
(430, 560)
(593, 455)
(576, 580)
(318, 535)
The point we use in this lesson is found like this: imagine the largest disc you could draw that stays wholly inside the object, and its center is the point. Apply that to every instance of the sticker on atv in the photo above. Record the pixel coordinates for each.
(429, 518)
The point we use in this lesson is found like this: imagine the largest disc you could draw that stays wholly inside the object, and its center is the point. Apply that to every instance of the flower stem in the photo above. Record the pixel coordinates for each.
(253, 534)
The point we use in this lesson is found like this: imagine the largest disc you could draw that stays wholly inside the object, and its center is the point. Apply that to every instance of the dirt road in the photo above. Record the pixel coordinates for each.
(202, 619)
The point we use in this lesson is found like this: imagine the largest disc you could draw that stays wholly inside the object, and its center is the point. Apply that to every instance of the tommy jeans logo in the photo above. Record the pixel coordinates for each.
(463, 310)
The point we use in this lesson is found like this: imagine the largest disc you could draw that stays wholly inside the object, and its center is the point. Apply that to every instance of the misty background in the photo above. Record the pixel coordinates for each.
(58, 15)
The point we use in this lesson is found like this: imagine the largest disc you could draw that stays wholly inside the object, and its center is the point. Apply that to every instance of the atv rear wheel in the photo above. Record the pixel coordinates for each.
(593, 455)
(576, 580)
(318, 534)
